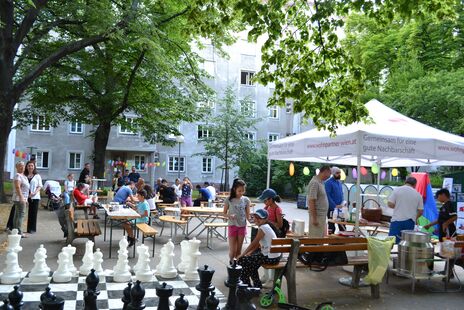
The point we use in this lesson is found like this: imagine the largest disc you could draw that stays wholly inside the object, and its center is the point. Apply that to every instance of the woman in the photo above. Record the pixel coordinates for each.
(69, 186)
(35, 184)
(84, 200)
(20, 196)
(251, 259)
(117, 179)
(270, 199)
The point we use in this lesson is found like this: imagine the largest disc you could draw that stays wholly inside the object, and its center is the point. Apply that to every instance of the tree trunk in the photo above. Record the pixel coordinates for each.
(100, 143)
(6, 122)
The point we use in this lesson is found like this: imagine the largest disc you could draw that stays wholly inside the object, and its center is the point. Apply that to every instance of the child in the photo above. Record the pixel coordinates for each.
(237, 210)
(186, 196)
(270, 199)
(446, 216)
(143, 209)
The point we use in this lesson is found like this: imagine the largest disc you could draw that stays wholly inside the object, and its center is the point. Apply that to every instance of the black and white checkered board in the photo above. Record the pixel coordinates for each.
(110, 292)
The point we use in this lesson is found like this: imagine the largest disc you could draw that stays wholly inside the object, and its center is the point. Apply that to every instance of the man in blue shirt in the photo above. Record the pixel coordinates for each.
(134, 176)
(205, 195)
(333, 188)
(125, 193)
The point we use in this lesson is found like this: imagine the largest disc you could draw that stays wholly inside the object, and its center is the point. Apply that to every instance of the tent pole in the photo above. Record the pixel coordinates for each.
(268, 180)
(379, 163)
(358, 189)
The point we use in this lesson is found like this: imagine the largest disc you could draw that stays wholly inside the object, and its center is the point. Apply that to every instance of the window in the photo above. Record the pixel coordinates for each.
(203, 132)
(40, 123)
(126, 130)
(75, 160)
(273, 137)
(42, 159)
(76, 127)
(245, 78)
(248, 108)
(139, 162)
(207, 165)
(274, 112)
(251, 136)
(176, 165)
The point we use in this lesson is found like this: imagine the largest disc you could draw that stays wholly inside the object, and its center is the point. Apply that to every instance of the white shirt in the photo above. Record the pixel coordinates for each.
(212, 190)
(54, 186)
(407, 201)
(266, 241)
(35, 182)
(70, 185)
(177, 189)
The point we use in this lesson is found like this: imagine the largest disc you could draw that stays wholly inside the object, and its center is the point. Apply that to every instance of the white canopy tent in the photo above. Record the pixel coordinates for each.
(390, 140)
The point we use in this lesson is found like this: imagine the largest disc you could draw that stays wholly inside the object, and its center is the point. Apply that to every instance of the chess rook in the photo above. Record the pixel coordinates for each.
(164, 291)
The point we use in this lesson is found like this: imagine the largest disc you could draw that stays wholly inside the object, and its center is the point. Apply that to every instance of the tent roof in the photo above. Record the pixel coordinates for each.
(391, 138)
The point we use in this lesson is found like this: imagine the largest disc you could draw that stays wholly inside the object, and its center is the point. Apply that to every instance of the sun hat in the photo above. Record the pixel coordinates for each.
(261, 213)
(267, 193)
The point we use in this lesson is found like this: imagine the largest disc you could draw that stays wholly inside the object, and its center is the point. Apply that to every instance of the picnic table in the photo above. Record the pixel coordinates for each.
(204, 215)
(374, 225)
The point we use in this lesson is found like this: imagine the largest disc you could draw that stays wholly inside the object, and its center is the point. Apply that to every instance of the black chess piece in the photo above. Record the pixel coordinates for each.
(244, 296)
(233, 271)
(212, 302)
(48, 294)
(181, 303)
(91, 293)
(16, 298)
(137, 294)
(164, 291)
(205, 286)
(126, 296)
(53, 303)
(6, 305)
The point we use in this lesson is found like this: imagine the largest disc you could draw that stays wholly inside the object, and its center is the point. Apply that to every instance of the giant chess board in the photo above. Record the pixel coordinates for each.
(110, 292)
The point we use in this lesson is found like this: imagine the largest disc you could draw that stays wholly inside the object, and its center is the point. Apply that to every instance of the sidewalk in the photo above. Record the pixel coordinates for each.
(312, 287)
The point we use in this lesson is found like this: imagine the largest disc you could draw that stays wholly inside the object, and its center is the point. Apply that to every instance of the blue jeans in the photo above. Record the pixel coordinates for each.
(397, 226)
(67, 198)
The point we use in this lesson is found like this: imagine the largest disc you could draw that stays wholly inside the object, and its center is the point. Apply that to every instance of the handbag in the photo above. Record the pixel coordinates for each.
(319, 261)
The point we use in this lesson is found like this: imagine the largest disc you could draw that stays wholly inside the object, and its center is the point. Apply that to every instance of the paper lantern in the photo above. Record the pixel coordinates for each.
(383, 174)
(291, 169)
(363, 171)
(306, 171)
(354, 173)
(17, 153)
(342, 175)
(395, 172)
(375, 168)
(24, 156)
(317, 171)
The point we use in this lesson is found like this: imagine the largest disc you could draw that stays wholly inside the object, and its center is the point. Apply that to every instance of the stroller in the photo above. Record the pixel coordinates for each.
(53, 192)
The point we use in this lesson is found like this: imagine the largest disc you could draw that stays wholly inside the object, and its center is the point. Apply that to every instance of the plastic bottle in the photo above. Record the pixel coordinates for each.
(210, 203)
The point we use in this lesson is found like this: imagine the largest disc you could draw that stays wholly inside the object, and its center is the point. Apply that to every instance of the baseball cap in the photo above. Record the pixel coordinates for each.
(267, 193)
(261, 213)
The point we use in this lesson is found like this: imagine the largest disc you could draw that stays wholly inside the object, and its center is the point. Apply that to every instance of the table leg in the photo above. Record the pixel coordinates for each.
(86, 213)
(111, 235)
(104, 230)
(202, 222)
(133, 229)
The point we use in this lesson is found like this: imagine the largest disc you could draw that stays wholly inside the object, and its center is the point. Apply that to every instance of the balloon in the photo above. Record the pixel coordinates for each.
(24, 155)
(17, 153)
(383, 174)
(395, 172)
(342, 175)
(317, 171)
(363, 171)
(354, 173)
(291, 169)
(375, 168)
(164, 164)
(306, 171)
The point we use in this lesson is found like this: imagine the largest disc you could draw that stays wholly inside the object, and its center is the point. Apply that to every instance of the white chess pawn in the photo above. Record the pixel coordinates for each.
(184, 256)
(62, 274)
(168, 270)
(142, 252)
(144, 273)
(12, 272)
(71, 251)
(14, 239)
(97, 262)
(121, 271)
(87, 259)
(191, 274)
(40, 272)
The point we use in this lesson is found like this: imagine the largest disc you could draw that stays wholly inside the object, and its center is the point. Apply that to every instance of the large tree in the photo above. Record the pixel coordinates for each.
(37, 34)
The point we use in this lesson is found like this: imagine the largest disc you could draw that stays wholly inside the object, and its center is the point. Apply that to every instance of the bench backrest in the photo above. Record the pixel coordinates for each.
(283, 245)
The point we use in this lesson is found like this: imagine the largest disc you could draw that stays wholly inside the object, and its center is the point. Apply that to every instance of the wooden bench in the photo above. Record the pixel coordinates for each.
(293, 247)
(147, 231)
(212, 229)
(174, 222)
(81, 228)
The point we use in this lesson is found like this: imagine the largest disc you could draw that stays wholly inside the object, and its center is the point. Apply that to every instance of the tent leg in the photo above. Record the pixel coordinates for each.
(268, 180)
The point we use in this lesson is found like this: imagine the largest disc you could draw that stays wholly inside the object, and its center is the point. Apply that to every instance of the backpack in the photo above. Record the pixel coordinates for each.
(282, 232)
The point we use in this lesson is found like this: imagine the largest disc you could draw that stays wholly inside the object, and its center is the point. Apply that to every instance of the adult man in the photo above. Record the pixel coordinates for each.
(85, 173)
(212, 190)
(318, 205)
(125, 193)
(134, 176)
(408, 205)
(334, 191)
(205, 195)
(167, 193)
(157, 185)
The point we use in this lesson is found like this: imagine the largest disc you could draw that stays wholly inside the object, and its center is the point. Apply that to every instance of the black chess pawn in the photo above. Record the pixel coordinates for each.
(16, 298)
(48, 294)
(137, 294)
(181, 303)
(164, 291)
(244, 296)
(205, 286)
(212, 302)
(126, 296)
(6, 305)
(53, 303)
(233, 271)
(91, 293)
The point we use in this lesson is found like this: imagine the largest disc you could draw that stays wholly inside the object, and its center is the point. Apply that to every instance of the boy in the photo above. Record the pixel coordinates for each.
(446, 217)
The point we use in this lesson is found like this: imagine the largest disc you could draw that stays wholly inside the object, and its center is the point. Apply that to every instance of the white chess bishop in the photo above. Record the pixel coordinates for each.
(166, 268)
(184, 256)
(191, 273)
(40, 272)
(121, 271)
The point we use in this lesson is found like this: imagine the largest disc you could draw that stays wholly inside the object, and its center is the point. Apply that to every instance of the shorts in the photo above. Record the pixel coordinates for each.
(187, 201)
(235, 231)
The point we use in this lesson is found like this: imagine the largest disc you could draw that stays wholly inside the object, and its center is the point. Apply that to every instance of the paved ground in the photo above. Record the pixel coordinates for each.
(312, 287)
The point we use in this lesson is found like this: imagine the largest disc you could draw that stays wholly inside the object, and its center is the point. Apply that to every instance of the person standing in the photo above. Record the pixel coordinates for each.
(318, 204)
(69, 186)
(20, 196)
(134, 176)
(212, 190)
(446, 216)
(85, 173)
(35, 184)
(407, 205)
(177, 188)
(334, 191)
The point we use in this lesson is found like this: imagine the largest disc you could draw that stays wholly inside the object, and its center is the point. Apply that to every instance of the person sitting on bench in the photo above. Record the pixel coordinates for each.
(205, 195)
(251, 260)
(143, 209)
(84, 200)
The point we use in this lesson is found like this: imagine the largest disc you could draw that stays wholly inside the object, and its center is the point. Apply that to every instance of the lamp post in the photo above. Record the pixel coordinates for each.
(179, 140)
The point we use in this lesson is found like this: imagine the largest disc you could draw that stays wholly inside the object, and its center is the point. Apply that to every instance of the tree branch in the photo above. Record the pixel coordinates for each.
(167, 20)
(27, 23)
